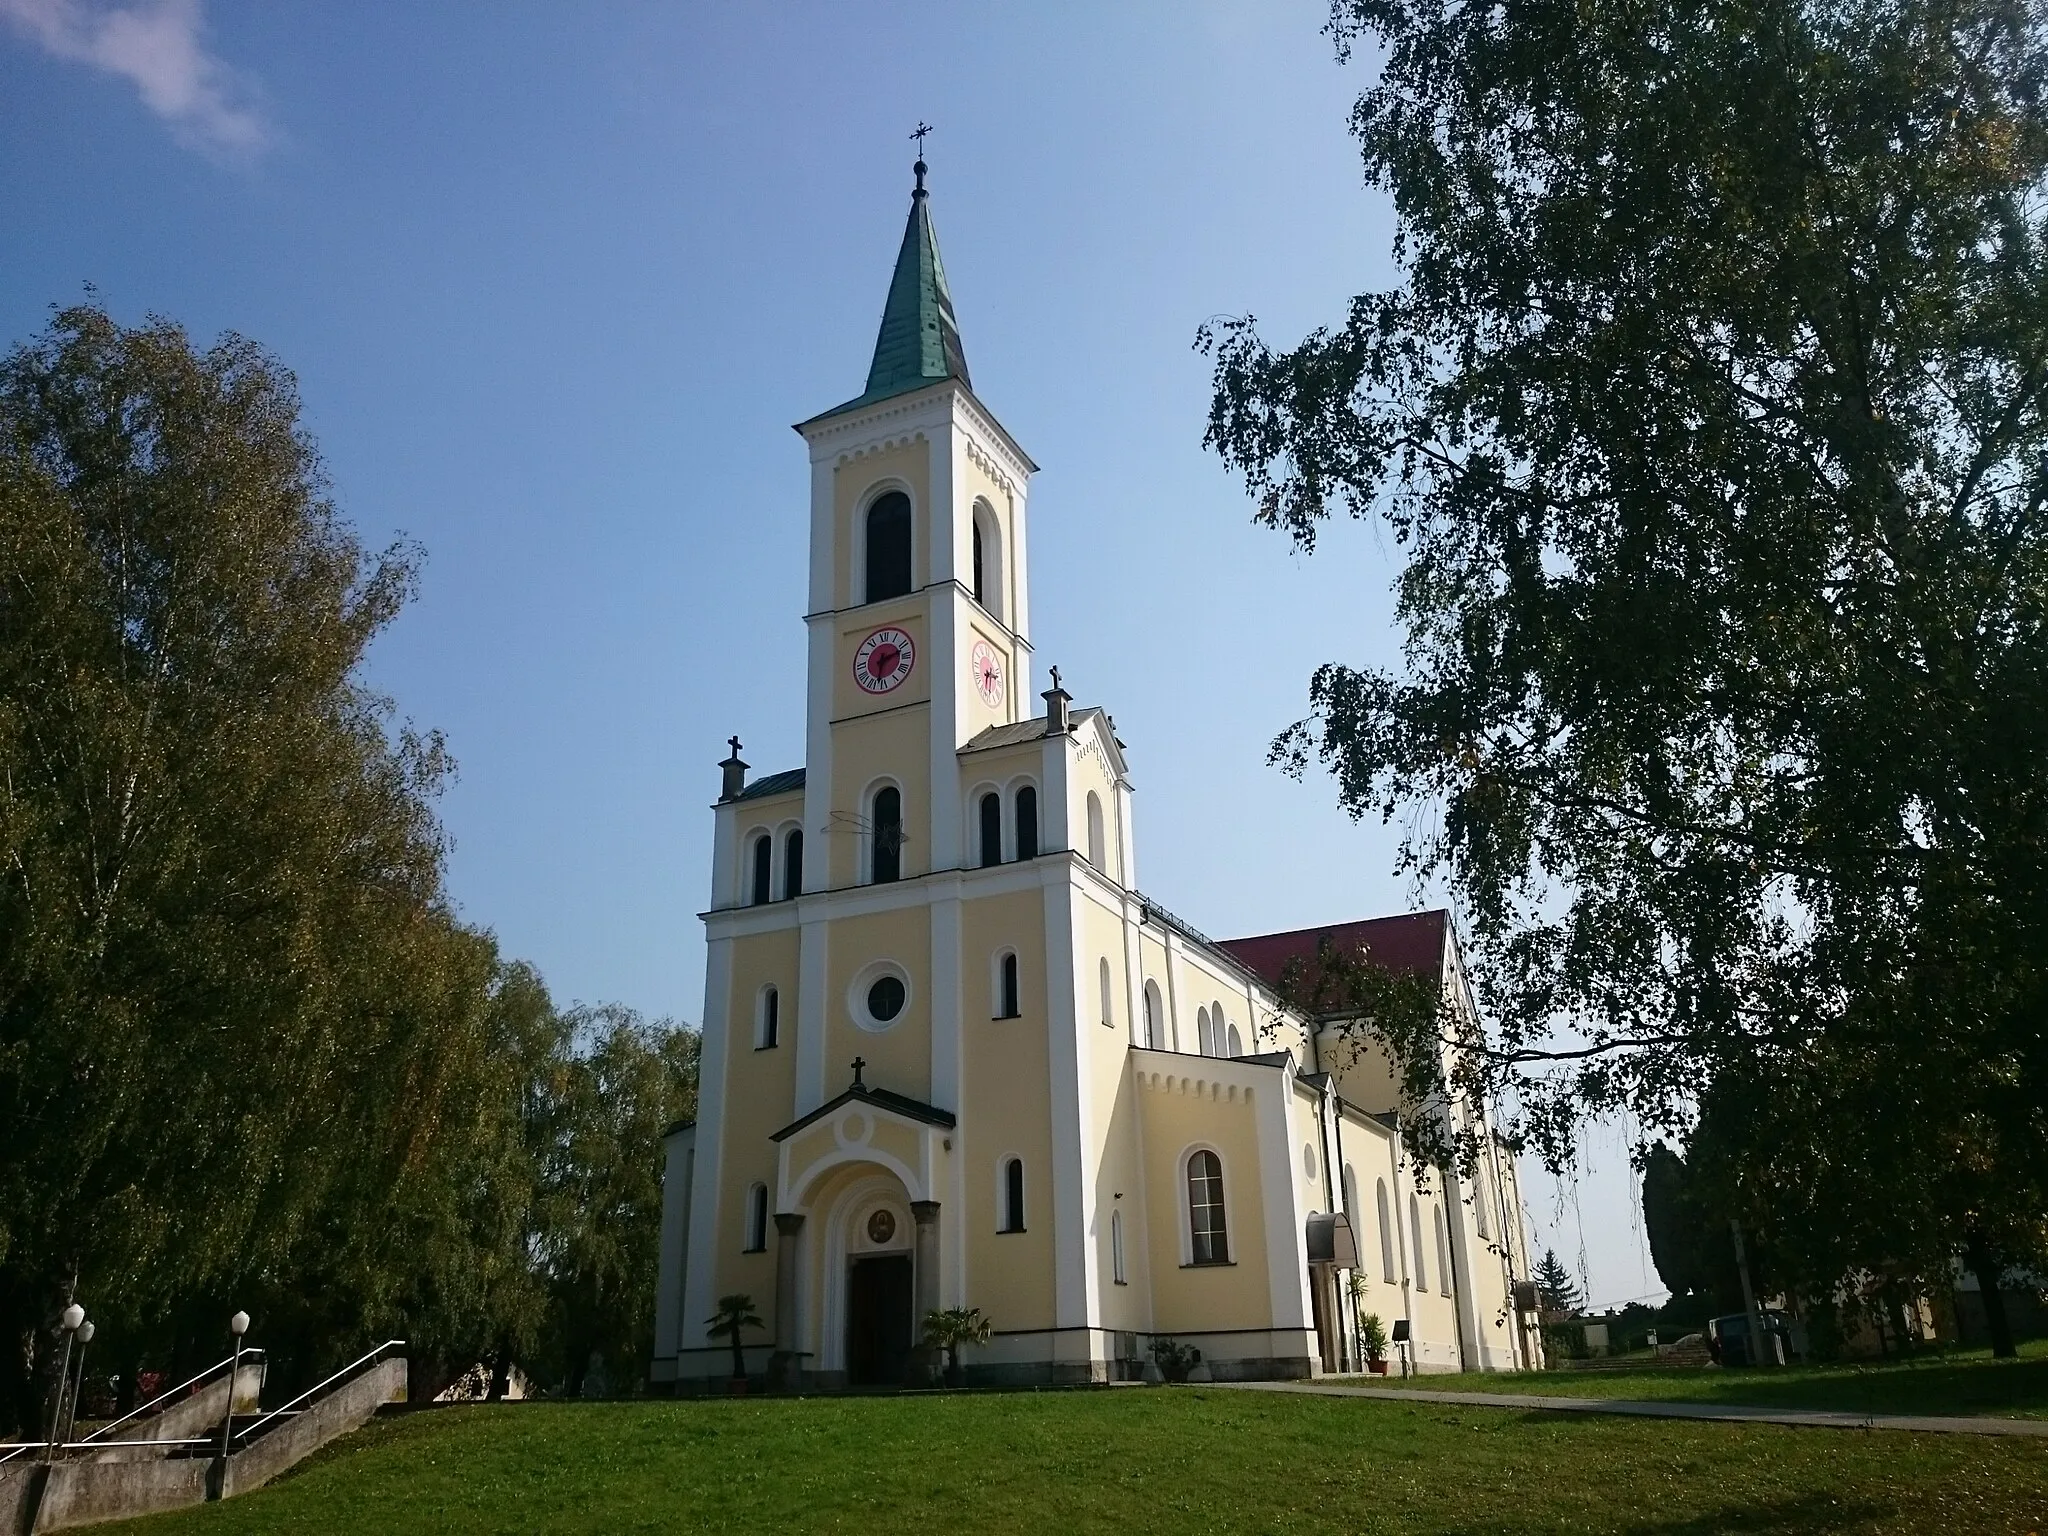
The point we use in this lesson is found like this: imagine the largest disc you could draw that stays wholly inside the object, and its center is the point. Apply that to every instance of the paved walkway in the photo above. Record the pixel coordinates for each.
(1812, 1418)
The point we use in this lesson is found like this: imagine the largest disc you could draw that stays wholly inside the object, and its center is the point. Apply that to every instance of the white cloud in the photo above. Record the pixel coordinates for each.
(156, 45)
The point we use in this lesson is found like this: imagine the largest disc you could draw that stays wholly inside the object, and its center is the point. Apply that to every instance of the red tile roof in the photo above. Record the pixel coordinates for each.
(1412, 942)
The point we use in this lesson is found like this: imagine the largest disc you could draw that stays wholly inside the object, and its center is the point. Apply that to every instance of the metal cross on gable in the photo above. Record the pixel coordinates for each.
(858, 1064)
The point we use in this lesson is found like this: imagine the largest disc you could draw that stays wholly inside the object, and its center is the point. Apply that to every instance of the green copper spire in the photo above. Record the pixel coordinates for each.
(919, 342)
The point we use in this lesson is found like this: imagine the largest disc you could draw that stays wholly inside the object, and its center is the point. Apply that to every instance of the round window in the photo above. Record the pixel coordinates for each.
(1308, 1158)
(881, 1227)
(878, 997)
(885, 999)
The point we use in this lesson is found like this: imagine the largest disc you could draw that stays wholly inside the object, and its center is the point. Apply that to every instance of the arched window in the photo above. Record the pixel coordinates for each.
(793, 864)
(1006, 987)
(1205, 1033)
(1155, 1039)
(887, 864)
(1351, 1196)
(1386, 1235)
(1479, 1214)
(988, 559)
(768, 1020)
(1013, 1194)
(1443, 1257)
(1208, 1241)
(1116, 1248)
(764, 870)
(1236, 1042)
(991, 829)
(1108, 992)
(1415, 1225)
(757, 1218)
(1097, 853)
(1027, 822)
(888, 546)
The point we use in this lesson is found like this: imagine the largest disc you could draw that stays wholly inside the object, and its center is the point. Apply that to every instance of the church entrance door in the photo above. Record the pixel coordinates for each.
(878, 1321)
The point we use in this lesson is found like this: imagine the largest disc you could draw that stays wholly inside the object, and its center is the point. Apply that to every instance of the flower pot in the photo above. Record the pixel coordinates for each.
(1377, 1367)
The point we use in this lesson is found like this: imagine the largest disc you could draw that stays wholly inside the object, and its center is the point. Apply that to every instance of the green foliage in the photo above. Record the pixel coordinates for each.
(1554, 1284)
(1372, 1333)
(1174, 1358)
(734, 1316)
(1710, 414)
(950, 1327)
(248, 1057)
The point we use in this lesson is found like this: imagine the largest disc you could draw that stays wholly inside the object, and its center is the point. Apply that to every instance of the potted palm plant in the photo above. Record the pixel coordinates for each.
(735, 1314)
(948, 1329)
(1372, 1334)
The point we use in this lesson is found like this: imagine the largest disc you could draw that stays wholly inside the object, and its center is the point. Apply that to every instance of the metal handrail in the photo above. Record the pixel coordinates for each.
(181, 1387)
(346, 1370)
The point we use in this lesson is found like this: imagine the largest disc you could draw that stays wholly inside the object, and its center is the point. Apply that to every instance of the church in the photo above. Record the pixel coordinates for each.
(952, 1055)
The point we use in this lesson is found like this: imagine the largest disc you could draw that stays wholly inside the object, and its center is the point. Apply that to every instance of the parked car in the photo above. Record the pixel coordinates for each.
(1729, 1341)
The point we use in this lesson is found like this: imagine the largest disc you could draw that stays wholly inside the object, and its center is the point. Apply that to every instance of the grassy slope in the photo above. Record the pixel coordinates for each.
(1176, 1460)
(1966, 1382)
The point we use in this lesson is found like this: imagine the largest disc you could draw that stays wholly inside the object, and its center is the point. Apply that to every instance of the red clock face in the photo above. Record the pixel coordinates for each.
(986, 668)
(884, 661)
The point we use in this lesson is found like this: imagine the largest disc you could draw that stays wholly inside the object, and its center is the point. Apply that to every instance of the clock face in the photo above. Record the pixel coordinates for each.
(883, 661)
(986, 668)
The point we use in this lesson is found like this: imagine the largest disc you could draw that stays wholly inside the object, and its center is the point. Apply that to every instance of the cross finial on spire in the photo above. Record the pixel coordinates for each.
(734, 743)
(923, 128)
(858, 1064)
(1055, 677)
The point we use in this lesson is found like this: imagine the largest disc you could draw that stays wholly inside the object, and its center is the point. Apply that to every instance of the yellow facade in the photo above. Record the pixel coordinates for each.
(1000, 1077)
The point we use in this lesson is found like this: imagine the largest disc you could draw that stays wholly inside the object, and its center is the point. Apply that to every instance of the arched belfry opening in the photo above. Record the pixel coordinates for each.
(888, 546)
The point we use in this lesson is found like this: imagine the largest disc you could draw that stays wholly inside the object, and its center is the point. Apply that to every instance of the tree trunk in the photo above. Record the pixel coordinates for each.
(739, 1358)
(501, 1374)
(1984, 1264)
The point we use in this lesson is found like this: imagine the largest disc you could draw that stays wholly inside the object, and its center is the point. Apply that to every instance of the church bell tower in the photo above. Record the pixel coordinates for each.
(919, 610)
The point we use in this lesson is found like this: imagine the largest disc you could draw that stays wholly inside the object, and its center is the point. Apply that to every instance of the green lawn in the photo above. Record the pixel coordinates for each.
(1965, 1382)
(1186, 1460)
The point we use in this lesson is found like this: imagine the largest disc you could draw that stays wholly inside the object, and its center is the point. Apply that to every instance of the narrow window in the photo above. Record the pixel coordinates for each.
(768, 1034)
(1152, 1016)
(1096, 850)
(764, 851)
(1205, 1209)
(1027, 823)
(1116, 1247)
(1479, 1208)
(979, 596)
(888, 546)
(991, 829)
(1236, 1042)
(793, 864)
(1108, 993)
(757, 1218)
(1205, 1035)
(1013, 1195)
(1443, 1258)
(1386, 1234)
(888, 835)
(1415, 1225)
(1006, 1001)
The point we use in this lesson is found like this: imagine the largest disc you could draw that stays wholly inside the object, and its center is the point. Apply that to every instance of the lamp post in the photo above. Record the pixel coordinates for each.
(72, 1318)
(85, 1333)
(237, 1325)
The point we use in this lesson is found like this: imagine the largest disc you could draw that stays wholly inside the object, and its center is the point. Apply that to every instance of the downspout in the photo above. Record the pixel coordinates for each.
(1400, 1217)
(1349, 1331)
(1329, 1198)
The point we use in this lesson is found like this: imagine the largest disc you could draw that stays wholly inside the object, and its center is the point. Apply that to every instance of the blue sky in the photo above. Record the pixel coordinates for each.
(556, 280)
